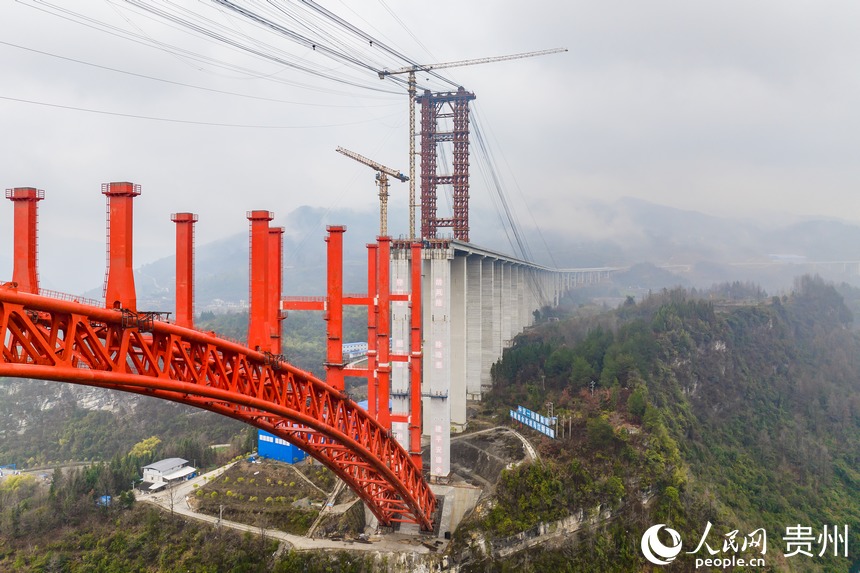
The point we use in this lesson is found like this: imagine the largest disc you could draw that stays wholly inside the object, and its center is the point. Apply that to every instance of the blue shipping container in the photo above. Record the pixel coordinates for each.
(275, 448)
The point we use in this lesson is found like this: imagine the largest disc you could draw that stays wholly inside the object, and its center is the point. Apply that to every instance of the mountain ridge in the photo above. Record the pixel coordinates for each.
(700, 249)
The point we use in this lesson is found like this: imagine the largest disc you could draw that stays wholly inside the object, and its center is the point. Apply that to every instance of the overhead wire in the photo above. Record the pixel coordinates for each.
(371, 39)
(403, 25)
(184, 84)
(330, 36)
(517, 186)
(185, 121)
(518, 242)
(143, 39)
(265, 51)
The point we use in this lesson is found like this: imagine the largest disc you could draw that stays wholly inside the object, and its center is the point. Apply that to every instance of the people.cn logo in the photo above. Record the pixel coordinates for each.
(654, 550)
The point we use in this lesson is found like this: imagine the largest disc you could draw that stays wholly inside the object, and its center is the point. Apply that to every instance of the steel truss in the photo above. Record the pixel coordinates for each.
(433, 108)
(68, 341)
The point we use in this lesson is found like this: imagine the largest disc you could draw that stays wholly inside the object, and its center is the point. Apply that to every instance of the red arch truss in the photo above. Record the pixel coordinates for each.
(67, 341)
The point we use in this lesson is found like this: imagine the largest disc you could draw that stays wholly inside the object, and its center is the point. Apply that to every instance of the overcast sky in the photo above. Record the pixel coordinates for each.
(724, 107)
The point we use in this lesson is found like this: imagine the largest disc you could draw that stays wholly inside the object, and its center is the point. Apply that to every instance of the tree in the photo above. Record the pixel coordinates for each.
(145, 447)
(600, 433)
(581, 373)
(637, 402)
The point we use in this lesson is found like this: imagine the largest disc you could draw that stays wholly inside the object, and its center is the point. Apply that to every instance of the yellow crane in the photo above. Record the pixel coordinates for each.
(411, 88)
(382, 173)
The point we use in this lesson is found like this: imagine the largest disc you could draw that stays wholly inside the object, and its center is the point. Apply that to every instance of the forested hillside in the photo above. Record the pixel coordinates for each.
(744, 415)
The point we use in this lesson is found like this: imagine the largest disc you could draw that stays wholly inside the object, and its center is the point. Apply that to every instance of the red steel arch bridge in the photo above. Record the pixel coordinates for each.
(114, 345)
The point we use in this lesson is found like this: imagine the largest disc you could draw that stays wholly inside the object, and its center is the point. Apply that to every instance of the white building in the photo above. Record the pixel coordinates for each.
(161, 473)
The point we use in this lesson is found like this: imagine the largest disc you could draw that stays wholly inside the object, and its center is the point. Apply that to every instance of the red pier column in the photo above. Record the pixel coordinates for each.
(383, 330)
(119, 283)
(416, 357)
(372, 310)
(276, 265)
(184, 268)
(258, 325)
(25, 271)
(334, 307)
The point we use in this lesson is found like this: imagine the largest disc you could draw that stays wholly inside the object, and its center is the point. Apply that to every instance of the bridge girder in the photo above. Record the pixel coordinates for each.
(68, 341)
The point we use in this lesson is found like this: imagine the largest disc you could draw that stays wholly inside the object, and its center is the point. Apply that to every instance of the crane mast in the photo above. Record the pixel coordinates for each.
(382, 174)
(411, 83)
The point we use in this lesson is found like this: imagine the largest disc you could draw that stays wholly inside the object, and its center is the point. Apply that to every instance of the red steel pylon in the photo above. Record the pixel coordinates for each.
(25, 270)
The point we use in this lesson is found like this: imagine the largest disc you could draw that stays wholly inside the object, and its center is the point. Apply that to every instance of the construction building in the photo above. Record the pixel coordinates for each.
(162, 473)
(275, 448)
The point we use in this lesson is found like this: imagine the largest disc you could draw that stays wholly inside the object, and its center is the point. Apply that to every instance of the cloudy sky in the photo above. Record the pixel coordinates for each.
(724, 107)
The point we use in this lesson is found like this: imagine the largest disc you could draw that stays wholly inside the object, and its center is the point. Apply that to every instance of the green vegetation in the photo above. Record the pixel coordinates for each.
(264, 494)
(59, 526)
(686, 409)
(303, 333)
(139, 539)
(36, 431)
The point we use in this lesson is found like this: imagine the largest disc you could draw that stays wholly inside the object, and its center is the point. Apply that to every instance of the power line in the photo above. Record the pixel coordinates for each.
(263, 51)
(367, 37)
(183, 84)
(521, 245)
(487, 166)
(185, 121)
(523, 198)
(405, 27)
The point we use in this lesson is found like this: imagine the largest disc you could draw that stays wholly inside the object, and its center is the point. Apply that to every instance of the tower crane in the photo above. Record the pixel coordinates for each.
(382, 173)
(411, 88)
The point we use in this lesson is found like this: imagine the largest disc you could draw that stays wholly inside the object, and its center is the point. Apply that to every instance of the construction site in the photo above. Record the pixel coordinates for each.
(440, 310)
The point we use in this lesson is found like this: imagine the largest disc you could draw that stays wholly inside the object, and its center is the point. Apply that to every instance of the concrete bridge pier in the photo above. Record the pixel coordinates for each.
(400, 331)
(460, 288)
(474, 326)
(490, 316)
(475, 302)
(437, 363)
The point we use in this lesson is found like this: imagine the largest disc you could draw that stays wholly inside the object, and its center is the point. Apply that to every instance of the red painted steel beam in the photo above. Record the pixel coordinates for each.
(334, 307)
(119, 286)
(66, 341)
(259, 332)
(383, 330)
(276, 265)
(25, 269)
(303, 303)
(372, 312)
(416, 356)
(432, 105)
(461, 164)
(429, 151)
(184, 268)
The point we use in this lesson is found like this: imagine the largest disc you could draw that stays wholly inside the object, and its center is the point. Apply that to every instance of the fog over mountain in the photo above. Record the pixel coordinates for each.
(691, 248)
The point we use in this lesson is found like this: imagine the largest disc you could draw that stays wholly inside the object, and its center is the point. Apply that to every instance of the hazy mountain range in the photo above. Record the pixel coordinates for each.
(689, 247)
